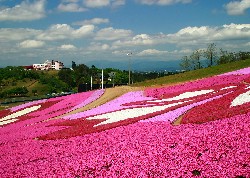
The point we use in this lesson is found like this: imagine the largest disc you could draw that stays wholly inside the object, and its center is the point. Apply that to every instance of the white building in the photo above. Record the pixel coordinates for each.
(56, 65)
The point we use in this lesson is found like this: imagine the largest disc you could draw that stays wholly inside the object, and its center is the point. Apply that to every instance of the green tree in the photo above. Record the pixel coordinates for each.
(82, 74)
(34, 91)
(18, 91)
(185, 63)
(73, 65)
(67, 76)
(244, 55)
(195, 58)
(224, 57)
(211, 54)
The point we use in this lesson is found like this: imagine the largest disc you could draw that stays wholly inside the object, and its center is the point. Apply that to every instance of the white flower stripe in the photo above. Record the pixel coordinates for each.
(20, 113)
(7, 121)
(186, 95)
(129, 113)
(241, 99)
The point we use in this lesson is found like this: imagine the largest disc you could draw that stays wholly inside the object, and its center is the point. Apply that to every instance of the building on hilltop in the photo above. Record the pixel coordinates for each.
(47, 65)
(30, 67)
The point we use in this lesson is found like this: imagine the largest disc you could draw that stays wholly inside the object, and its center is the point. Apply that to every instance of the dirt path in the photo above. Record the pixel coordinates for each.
(109, 94)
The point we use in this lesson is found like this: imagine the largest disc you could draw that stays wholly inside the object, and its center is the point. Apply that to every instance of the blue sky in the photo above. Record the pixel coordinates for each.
(32, 31)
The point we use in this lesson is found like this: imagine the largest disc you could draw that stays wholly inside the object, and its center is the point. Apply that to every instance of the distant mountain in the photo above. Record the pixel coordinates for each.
(137, 65)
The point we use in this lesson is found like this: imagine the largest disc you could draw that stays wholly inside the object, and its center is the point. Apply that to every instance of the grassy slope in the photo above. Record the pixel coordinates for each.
(31, 85)
(167, 80)
(196, 74)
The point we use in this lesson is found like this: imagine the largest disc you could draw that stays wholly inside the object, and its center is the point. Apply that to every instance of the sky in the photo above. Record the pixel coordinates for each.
(32, 31)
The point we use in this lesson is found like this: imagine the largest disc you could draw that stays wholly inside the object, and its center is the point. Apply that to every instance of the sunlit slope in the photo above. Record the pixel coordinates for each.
(196, 74)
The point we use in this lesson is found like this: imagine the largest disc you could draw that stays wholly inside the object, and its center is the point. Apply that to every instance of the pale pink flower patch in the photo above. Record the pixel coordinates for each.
(112, 141)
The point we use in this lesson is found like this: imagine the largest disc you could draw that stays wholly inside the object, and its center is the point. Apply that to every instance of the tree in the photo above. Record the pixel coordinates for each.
(210, 54)
(185, 63)
(82, 74)
(224, 58)
(18, 91)
(195, 58)
(73, 64)
(244, 55)
(67, 76)
(94, 73)
(34, 91)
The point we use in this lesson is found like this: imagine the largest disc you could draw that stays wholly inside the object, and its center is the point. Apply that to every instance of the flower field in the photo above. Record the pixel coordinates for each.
(132, 135)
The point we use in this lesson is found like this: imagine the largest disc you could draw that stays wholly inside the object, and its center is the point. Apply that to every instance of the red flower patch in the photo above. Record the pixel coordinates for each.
(217, 109)
(4, 113)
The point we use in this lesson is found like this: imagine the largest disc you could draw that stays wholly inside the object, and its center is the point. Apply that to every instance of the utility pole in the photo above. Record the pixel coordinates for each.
(102, 78)
(129, 67)
(91, 82)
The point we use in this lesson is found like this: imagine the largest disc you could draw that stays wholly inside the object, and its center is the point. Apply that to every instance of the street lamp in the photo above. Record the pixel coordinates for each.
(129, 67)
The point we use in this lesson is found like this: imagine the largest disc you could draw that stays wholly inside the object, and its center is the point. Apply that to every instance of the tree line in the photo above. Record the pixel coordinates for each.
(201, 58)
(13, 80)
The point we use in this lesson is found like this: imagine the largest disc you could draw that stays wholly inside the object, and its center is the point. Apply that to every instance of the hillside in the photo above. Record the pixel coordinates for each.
(42, 89)
(196, 74)
(129, 132)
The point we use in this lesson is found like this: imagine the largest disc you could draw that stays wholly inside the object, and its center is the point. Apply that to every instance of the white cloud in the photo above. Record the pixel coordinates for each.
(103, 3)
(151, 52)
(237, 7)
(96, 3)
(67, 47)
(194, 36)
(190, 35)
(233, 31)
(31, 44)
(144, 39)
(112, 34)
(11, 34)
(163, 2)
(26, 11)
(155, 52)
(231, 37)
(70, 7)
(139, 40)
(206, 34)
(94, 21)
(98, 47)
(70, 1)
(117, 3)
(64, 31)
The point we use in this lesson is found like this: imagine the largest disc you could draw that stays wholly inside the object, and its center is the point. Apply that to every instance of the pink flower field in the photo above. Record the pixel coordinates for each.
(133, 135)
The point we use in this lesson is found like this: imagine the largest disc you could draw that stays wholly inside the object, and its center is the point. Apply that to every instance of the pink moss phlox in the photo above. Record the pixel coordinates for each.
(52, 107)
(215, 149)
(243, 71)
(217, 109)
(202, 83)
(116, 104)
(172, 115)
(94, 96)
(22, 106)
(218, 148)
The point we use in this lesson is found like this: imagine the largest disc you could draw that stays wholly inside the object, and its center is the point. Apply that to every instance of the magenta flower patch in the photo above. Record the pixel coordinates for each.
(48, 108)
(132, 135)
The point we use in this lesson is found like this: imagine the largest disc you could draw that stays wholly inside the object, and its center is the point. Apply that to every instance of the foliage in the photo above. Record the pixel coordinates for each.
(212, 56)
(67, 76)
(226, 57)
(54, 84)
(185, 63)
(210, 53)
(195, 58)
(18, 73)
(196, 74)
(17, 91)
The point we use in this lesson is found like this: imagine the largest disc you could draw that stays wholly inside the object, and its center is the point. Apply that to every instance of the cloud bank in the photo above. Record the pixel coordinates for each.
(25, 11)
